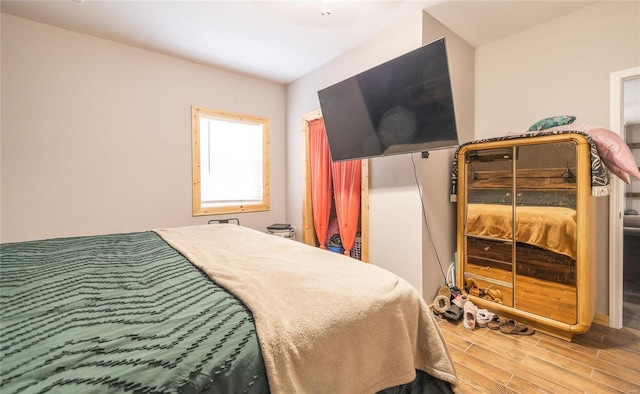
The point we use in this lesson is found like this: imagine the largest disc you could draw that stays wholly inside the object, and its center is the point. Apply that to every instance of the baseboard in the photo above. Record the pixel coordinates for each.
(601, 320)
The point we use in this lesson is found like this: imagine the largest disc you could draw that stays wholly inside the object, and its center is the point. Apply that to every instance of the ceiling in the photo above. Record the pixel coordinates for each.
(276, 40)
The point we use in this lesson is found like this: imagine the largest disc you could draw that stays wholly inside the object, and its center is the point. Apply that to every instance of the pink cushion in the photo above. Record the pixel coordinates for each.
(615, 153)
(619, 173)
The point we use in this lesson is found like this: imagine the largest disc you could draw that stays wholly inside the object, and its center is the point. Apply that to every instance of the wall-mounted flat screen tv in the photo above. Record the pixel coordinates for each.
(401, 106)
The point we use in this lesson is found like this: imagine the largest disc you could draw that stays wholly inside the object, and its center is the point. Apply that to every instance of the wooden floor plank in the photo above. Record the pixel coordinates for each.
(497, 352)
(627, 371)
(474, 381)
(557, 344)
(558, 361)
(566, 378)
(616, 382)
(603, 360)
(526, 382)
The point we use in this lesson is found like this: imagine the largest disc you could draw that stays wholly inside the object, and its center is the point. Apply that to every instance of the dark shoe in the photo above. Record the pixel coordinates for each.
(453, 313)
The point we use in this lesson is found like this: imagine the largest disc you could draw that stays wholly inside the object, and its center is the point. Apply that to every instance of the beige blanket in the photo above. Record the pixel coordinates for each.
(550, 228)
(326, 323)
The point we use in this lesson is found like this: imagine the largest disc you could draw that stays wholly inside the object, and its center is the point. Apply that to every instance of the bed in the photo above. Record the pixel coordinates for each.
(216, 308)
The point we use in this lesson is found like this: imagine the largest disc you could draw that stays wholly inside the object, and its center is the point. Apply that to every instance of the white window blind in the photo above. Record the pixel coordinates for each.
(231, 159)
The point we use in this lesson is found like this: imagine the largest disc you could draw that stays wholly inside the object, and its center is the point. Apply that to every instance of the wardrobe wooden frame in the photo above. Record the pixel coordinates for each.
(585, 281)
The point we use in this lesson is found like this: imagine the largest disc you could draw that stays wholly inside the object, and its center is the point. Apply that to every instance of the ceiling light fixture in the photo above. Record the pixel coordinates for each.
(325, 10)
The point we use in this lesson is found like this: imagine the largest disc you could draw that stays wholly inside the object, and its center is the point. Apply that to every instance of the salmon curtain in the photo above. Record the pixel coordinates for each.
(320, 161)
(346, 187)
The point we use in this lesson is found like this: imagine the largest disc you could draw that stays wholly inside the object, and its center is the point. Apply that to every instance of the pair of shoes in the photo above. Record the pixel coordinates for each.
(442, 301)
(470, 314)
(483, 318)
(515, 328)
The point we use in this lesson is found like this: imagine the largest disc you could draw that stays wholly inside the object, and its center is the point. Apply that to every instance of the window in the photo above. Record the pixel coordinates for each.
(230, 162)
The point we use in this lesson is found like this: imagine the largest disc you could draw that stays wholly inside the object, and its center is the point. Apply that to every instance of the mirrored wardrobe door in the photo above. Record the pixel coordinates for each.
(546, 230)
(488, 224)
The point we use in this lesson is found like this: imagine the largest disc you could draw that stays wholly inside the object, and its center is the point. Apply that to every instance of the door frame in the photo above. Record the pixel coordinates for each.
(308, 229)
(616, 201)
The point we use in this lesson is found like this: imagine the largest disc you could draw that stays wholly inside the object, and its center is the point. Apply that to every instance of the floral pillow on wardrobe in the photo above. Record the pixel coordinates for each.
(552, 121)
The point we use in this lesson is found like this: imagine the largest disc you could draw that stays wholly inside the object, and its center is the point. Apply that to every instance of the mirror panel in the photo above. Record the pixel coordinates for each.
(488, 271)
(546, 231)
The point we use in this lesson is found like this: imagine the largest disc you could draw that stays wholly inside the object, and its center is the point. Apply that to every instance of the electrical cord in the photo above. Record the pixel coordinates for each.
(424, 215)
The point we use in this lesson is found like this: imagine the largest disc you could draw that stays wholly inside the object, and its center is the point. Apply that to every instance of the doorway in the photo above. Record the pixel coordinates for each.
(308, 230)
(624, 98)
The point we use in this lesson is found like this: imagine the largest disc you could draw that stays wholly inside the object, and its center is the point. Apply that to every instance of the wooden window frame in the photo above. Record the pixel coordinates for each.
(197, 207)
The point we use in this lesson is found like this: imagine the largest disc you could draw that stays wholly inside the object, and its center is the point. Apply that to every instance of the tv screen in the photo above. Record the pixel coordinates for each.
(401, 106)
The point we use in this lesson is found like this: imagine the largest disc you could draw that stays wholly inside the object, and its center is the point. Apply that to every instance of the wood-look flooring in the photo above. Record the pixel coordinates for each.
(603, 360)
(631, 304)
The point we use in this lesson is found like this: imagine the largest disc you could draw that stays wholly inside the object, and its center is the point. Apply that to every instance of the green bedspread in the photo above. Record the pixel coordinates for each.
(126, 313)
(120, 313)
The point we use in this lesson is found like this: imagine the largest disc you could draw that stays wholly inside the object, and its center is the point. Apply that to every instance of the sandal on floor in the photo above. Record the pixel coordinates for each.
(453, 313)
(496, 322)
(515, 328)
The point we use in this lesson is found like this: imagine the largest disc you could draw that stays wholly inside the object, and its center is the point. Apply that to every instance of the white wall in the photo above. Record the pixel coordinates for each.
(96, 136)
(559, 67)
(389, 245)
(396, 223)
(439, 239)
